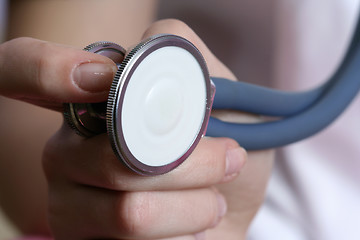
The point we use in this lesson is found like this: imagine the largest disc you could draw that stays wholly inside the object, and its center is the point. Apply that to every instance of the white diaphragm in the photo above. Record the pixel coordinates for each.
(164, 106)
(159, 104)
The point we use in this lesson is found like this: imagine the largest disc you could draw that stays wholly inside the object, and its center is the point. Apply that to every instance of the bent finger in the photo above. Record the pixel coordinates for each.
(177, 27)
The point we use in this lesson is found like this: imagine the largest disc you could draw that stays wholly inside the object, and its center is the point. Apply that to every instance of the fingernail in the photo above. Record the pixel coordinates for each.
(222, 208)
(235, 160)
(94, 77)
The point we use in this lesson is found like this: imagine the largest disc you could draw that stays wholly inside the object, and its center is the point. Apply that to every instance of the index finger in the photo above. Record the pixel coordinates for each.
(49, 74)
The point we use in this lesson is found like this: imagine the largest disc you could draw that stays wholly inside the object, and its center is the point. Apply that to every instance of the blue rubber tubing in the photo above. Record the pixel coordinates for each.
(305, 113)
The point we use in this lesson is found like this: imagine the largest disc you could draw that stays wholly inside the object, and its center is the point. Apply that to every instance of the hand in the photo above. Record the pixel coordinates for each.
(93, 196)
(244, 194)
(41, 73)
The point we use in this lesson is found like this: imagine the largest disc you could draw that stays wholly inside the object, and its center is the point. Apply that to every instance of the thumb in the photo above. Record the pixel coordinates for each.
(48, 74)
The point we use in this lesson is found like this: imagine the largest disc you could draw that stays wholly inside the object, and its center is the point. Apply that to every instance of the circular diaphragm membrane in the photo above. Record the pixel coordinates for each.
(88, 119)
(159, 104)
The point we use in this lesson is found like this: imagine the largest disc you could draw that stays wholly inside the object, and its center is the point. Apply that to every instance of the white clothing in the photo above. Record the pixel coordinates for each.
(314, 192)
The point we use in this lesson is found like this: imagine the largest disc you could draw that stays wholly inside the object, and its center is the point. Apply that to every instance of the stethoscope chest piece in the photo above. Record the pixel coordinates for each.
(159, 104)
(161, 97)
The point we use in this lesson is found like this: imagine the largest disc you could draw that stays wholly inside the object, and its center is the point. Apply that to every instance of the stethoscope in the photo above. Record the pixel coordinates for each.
(161, 98)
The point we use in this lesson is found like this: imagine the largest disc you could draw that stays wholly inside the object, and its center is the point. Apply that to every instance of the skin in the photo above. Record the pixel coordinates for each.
(25, 128)
(92, 196)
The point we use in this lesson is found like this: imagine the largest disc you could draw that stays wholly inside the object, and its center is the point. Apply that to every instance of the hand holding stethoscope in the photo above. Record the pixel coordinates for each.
(92, 196)
(163, 93)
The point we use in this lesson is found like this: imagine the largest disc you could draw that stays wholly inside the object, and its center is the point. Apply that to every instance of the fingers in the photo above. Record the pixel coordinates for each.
(209, 163)
(213, 161)
(134, 215)
(48, 74)
(93, 193)
(176, 27)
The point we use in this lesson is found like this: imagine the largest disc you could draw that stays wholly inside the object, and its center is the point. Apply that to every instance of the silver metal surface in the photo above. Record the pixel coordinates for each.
(88, 119)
